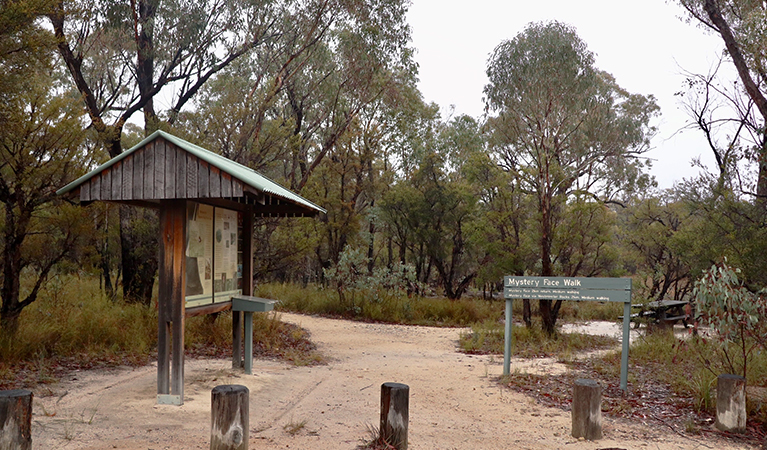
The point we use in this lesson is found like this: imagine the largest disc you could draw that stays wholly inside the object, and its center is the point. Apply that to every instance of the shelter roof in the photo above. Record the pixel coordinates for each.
(164, 166)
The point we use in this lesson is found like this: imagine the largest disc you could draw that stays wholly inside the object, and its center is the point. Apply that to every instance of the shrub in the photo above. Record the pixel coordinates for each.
(737, 315)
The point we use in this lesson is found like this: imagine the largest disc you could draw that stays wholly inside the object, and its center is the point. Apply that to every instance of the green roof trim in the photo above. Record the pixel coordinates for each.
(243, 173)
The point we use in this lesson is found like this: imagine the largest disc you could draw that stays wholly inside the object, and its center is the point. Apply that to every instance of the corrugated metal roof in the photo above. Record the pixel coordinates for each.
(236, 170)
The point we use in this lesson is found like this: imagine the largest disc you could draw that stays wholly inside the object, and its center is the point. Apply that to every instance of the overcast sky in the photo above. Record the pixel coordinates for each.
(643, 44)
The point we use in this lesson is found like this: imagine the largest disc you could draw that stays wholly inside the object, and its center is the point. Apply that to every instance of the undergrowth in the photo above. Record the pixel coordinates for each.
(73, 325)
(377, 306)
(488, 338)
(383, 307)
(690, 367)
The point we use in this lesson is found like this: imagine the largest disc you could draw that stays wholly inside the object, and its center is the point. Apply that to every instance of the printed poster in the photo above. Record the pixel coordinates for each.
(199, 251)
(213, 265)
(225, 251)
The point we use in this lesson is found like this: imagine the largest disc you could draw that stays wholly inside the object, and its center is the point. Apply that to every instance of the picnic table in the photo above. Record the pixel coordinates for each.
(663, 313)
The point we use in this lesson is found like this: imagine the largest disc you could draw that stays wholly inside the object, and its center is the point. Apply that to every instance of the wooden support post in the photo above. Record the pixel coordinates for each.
(395, 415)
(15, 420)
(247, 289)
(731, 403)
(230, 417)
(171, 307)
(587, 410)
(163, 356)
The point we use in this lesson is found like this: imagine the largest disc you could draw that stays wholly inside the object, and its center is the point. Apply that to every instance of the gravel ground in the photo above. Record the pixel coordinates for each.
(455, 402)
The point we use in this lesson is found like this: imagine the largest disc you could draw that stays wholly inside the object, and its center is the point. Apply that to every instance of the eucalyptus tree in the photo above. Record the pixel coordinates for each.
(741, 25)
(154, 57)
(562, 127)
(315, 114)
(433, 211)
(732, 115)
(661, 237)
(41, 149)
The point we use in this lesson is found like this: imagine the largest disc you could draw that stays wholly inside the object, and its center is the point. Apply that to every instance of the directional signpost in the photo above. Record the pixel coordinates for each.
(569, 288)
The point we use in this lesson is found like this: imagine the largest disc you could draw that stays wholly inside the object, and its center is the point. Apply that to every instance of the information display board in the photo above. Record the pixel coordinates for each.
(568, 288)
(213, 255)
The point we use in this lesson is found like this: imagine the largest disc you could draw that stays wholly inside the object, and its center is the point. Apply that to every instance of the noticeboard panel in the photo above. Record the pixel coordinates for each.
(568, 288)
(213, 254)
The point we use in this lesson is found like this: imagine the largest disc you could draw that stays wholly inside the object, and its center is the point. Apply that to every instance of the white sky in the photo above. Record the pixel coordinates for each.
(644, 44)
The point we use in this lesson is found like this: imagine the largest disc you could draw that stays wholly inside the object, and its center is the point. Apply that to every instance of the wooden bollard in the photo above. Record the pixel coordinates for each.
(395, 404)
(731, 403)
(229, 417)
(15, 420)
(587, 410)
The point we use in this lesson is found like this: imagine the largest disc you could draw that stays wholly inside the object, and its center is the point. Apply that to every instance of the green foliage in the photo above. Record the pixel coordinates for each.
(658, 238)
(737, 315)
(567, 134)
(433, 212)
(358, 290)
(42, 147)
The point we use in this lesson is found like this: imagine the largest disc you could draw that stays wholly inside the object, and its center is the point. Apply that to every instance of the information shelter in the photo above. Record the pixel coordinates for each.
(574, 289)
(206, 204)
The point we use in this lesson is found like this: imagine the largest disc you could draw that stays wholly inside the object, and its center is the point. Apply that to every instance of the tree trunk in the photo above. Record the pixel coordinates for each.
(527, 314)
(10, 291)
(761, 186)
(548, 317)
(138, 239)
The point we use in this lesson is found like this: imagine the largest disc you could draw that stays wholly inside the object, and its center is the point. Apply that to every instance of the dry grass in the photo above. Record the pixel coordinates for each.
(73, 325)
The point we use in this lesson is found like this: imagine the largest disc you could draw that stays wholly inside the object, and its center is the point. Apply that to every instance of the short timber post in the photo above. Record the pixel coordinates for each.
(731, 403)
(15, 420)
(230, 418)
(587, 410)
(395, 404)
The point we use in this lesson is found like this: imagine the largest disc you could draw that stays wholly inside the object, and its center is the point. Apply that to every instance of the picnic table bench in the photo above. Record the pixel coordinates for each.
(663, 313)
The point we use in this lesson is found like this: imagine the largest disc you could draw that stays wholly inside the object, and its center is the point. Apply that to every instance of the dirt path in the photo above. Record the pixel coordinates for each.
(454, 402)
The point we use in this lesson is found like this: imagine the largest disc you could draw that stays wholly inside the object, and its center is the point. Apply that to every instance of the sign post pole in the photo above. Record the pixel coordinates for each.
(507, 340)
(625, 351)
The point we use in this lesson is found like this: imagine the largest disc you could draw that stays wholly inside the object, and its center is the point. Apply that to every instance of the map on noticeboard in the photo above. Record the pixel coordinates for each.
(211, 254)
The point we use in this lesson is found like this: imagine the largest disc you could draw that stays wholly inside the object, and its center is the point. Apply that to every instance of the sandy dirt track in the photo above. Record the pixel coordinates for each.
(454, 401)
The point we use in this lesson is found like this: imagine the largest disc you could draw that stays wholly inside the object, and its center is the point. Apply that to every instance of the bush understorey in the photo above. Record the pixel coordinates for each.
(671, 384)
(74, 326)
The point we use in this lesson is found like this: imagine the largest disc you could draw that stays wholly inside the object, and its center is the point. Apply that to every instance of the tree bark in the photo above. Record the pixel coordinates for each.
(527, 314)
(752, 88)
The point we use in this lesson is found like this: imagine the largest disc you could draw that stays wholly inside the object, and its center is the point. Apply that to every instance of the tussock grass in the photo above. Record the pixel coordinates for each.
(73, 318)
(73, 325)
(382, 307)
(488, 338)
